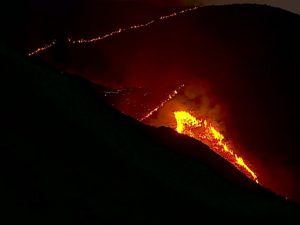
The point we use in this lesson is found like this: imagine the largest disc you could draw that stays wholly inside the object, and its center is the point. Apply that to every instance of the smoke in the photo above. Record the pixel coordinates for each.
(196, 98)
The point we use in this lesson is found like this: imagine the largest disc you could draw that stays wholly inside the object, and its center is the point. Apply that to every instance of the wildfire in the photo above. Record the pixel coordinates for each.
(134, 27)
(116, 32)
(203, 130)
(41, 49)
(200, 129)
(170, 97)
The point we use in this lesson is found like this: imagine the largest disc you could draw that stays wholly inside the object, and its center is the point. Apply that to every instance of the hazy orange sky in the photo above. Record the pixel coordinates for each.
(291, 5)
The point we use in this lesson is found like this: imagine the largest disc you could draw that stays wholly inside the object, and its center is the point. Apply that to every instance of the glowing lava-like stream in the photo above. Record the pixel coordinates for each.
(113, 33)
(203, 130)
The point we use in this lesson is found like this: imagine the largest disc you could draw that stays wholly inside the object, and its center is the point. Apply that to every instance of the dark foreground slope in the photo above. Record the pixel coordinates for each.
(66, 157)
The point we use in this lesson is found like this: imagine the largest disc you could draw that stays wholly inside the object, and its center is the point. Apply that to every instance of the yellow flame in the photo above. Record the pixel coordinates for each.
(183, 119)
(217, 135)
(204, 131)
(241, 162)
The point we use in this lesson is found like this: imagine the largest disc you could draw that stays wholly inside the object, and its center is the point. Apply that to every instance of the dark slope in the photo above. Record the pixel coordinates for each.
(67, 157)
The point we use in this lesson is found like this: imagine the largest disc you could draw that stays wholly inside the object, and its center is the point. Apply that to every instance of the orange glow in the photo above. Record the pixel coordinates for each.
(203, 130)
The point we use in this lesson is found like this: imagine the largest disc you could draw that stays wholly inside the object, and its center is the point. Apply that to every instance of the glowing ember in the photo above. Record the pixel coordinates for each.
(133, 27)
(113, 33)
(205, 132)
(170, 97)
(41, 49)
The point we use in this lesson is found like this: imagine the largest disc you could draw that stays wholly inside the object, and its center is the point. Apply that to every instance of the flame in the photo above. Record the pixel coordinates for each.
(170, 97)
(199, 129)
(205, 132)
(133, 27)
(116, 32)
(41, 49)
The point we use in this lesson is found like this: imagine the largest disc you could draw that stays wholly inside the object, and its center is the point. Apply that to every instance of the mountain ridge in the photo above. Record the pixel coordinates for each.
(72, 157)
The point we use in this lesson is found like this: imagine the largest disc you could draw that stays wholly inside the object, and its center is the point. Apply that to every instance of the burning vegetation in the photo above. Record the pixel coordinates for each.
(203, 130)
(179, 108)
(130, 102)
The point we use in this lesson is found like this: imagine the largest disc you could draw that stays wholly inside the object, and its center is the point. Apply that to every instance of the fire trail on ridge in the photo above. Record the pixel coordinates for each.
(170, 97)
(113, 33)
